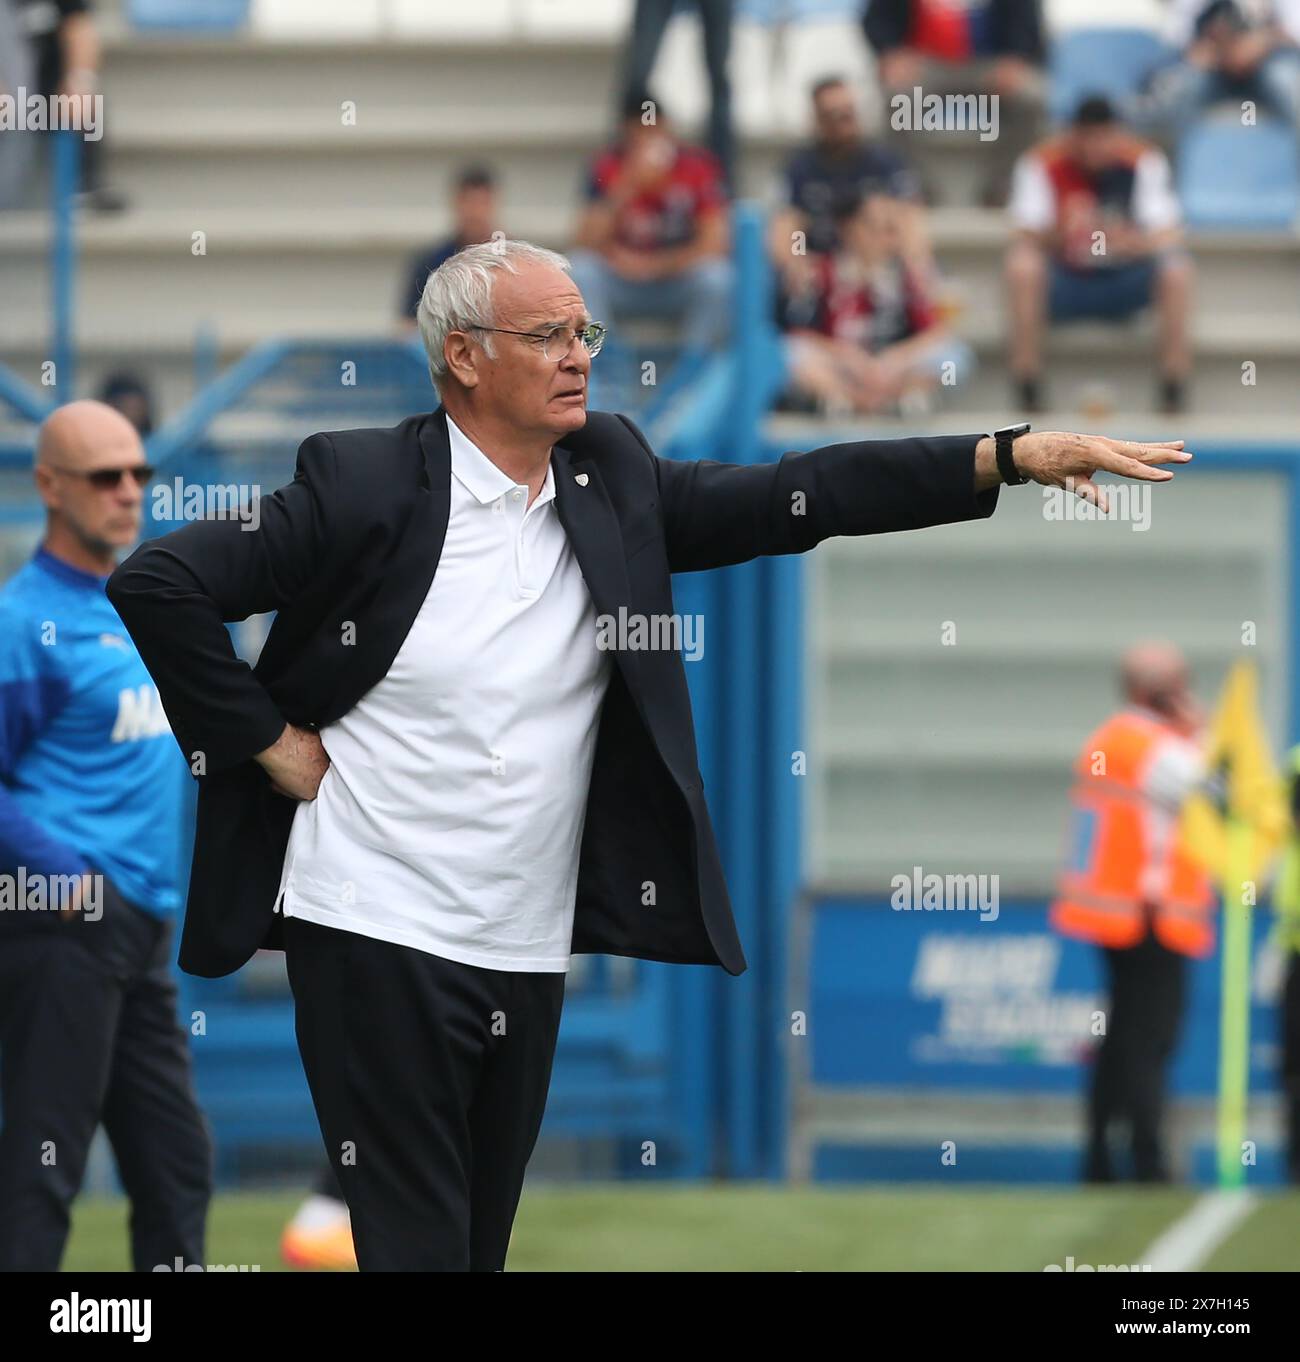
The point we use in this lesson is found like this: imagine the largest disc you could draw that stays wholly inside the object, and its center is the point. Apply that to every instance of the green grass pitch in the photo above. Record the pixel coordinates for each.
(757, 1228)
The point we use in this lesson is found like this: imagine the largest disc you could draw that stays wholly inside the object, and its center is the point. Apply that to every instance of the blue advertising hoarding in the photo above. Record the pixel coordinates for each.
(965, 1000)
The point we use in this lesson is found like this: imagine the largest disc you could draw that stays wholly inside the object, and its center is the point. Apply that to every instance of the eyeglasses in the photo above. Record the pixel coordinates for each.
(108, 479)
(557, 341)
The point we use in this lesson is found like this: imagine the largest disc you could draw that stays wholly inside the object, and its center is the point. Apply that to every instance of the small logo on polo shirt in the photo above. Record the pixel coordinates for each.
(115, 641)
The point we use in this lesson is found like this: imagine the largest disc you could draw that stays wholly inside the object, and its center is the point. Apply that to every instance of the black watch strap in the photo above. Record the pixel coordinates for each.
(1002, 442)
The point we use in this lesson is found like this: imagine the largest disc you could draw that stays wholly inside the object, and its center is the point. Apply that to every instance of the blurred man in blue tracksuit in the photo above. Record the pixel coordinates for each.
(90, 786)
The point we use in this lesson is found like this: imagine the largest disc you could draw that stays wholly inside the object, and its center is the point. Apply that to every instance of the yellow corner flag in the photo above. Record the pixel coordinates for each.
(1246, 787)
(1234, 831)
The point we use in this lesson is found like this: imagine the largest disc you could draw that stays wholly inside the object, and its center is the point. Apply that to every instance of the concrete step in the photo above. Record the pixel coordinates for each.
(1238, 274)
(379, 218)
(164, 72)
(381, 169)
(1093, 365)
(244, 244)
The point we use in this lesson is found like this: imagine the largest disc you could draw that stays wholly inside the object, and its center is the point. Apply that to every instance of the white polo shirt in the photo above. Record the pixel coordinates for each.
(451, 816)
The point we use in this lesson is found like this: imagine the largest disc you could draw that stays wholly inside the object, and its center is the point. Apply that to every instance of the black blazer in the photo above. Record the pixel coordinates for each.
(346, 553)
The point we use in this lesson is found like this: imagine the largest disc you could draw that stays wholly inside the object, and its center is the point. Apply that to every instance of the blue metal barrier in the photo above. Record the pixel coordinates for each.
(63, 261)
(28, 402)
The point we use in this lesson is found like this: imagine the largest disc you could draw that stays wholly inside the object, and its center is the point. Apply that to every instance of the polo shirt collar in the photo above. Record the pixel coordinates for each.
(65, 572)
(480, 477)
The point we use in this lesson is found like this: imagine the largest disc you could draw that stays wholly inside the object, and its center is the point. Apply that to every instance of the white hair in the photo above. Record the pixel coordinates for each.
(458, 294)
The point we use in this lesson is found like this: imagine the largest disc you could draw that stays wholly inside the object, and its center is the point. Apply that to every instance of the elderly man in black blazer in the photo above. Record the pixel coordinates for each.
(441, 779)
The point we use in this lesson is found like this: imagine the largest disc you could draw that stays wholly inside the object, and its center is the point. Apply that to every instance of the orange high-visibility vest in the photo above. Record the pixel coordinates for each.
(1100, 896)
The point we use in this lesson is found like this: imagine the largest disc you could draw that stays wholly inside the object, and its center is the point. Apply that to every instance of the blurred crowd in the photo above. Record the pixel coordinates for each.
(869, 311)
(866, 309)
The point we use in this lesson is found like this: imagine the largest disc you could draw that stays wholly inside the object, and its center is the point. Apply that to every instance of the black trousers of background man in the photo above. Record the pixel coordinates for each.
(89, 1033)
(1290, 1019)
(649, 22)
(429, 1079)
(1147, 985)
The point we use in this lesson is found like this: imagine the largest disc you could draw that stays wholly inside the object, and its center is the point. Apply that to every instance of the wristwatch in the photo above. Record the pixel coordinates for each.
(1002, 440)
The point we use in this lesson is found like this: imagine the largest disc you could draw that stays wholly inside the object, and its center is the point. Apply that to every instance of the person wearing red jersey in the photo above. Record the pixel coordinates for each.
(1097, 236)
(653, 239)
(965, 47)
(867, 336)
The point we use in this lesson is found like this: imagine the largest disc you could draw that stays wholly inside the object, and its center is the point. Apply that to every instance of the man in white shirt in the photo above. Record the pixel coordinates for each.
(481, 781)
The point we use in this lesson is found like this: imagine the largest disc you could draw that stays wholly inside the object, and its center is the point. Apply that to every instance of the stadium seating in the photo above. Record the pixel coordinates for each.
(187, 14)
(1100, 61)
(1231, 176)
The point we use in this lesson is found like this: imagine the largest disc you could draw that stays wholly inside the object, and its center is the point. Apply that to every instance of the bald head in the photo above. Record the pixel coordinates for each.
(85, 435)
(83, 451)
(1153, 670)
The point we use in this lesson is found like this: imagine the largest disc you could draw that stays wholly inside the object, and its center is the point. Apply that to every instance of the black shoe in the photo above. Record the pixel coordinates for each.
(1028, 395)
(102, 200)
(796, 403)
(1097, 1170)
(995, 194)
(1172, 396)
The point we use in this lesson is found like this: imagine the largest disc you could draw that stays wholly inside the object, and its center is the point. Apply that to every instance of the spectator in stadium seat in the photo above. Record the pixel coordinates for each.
(649, 21)
(840, 166)
(66, 45)
(654, 239)
(475, 215)
(867, 337)
(1097, 235)
(1231, 52)
(129, 394)
(90, 801)
(992, 47)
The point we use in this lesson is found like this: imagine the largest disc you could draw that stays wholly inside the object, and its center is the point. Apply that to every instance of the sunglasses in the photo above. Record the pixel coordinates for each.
(108, 479)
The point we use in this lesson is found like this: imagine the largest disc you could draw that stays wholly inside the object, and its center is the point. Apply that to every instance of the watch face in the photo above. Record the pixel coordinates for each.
(1010, 432)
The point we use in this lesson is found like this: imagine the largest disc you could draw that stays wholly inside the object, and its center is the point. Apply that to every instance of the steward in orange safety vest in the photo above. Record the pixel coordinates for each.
(1124, 858)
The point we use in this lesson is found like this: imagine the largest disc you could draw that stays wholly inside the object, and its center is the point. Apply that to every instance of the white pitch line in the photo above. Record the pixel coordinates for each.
(1192, 1238)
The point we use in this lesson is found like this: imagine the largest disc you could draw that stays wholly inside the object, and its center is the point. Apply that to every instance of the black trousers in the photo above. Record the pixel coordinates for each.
(1147, 988)
(649, 23)
(429, 1079)
(89, 1033)
(1291, 1063)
